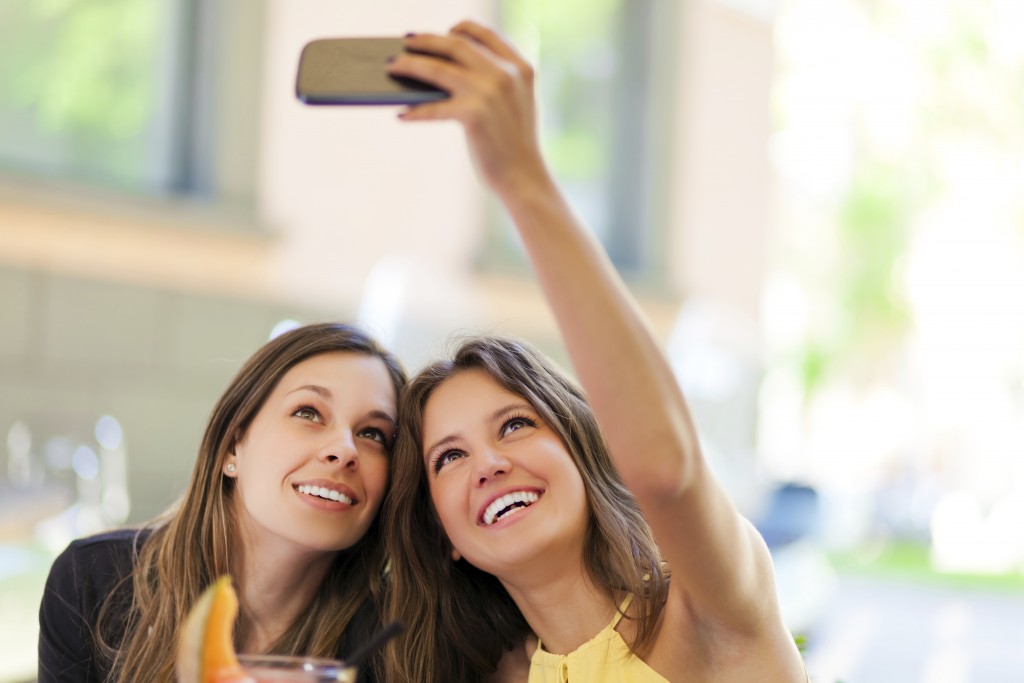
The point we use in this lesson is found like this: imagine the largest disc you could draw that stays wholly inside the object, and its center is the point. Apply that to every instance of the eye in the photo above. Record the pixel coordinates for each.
(446, 457)
(308, 413)
(376, 435)
(515, 423)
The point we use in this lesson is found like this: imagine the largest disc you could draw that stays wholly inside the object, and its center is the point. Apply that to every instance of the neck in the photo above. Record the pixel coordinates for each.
(565, 610)
(275, 585)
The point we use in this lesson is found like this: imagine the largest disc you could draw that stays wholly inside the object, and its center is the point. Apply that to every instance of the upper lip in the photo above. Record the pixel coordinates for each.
(503, 492)
(328, 484)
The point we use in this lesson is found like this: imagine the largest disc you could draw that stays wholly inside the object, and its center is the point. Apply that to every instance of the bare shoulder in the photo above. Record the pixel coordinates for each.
(514, 667)
(692, 647)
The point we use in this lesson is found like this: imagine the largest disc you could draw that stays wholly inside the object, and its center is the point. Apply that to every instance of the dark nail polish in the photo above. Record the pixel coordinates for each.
(410, 35)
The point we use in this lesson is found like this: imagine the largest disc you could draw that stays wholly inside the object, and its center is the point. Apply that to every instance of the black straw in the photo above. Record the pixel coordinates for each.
(374, 644)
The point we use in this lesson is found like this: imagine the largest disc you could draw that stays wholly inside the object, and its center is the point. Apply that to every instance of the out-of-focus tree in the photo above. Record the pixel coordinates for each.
(78, 85)
(923, 89)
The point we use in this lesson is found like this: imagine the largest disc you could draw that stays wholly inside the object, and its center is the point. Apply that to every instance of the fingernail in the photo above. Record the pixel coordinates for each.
(392, 58)
(410, 35)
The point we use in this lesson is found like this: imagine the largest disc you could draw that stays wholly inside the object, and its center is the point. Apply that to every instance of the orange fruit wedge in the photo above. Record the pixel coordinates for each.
(206, 650)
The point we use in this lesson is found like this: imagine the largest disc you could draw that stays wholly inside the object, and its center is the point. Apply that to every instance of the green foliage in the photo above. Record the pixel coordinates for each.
(79, 76)
(911, 562)
(967, 96)
(81, 66)
(568, 26)
(576, 153)
(872, 312)
(873, 232)
(816, 358)
(573, 44)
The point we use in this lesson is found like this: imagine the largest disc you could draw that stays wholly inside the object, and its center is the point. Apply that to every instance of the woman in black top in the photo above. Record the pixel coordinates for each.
(284, 496)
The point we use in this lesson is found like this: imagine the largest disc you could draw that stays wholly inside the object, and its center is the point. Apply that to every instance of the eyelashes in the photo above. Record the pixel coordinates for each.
(385, 438)
(516, 418)
(305, 410)
(512, 423)
(378, 435)
(444, 458)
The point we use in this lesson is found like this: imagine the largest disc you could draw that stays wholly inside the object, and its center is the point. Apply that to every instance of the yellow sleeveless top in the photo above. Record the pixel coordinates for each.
(605, 658)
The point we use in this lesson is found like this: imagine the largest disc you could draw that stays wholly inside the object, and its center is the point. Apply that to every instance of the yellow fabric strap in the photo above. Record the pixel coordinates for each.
(623, 606)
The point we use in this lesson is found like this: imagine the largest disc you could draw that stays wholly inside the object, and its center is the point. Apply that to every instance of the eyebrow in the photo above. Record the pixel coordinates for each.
(326, 394)
(511, 407)
(383, 416)
(493, 417)
(315, 388)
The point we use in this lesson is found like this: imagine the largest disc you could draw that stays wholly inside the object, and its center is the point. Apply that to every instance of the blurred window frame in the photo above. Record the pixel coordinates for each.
(636, 191)
(205, 125)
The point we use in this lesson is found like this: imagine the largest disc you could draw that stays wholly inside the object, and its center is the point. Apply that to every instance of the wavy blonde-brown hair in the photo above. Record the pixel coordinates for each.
(460, 620)
(188, 546)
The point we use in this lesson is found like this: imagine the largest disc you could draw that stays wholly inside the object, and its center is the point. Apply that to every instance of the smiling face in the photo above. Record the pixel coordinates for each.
(312, 468)
(503, 484)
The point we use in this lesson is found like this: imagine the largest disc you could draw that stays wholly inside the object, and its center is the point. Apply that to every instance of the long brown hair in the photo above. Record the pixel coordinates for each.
(188, 546)
(460, 620)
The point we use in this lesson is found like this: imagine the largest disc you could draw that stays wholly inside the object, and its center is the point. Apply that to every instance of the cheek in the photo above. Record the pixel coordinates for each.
(571, 474)
(378, 476)
(444, 500)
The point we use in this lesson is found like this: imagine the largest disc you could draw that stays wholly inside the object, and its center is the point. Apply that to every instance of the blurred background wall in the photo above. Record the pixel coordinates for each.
(818, 203)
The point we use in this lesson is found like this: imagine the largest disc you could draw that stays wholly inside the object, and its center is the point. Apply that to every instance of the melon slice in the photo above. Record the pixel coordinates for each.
(206, 650)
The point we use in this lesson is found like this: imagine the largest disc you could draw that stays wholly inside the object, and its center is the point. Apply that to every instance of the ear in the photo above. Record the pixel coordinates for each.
(456, 555)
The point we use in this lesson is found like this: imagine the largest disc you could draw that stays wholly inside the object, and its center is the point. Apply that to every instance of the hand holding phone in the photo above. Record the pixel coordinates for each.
(350, 71)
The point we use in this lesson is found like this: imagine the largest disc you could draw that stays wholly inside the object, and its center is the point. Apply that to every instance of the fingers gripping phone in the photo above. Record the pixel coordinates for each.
(354, 71)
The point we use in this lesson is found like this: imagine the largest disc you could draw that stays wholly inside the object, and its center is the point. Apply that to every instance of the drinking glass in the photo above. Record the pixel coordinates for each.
(288, 669)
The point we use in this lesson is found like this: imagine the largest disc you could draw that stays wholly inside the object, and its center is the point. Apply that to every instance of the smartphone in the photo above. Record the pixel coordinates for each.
(354, 71)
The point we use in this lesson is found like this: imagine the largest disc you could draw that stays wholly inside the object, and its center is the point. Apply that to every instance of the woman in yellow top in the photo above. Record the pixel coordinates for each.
(526, 514)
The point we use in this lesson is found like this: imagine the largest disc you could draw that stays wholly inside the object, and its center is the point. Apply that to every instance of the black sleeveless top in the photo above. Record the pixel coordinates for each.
(80, 580)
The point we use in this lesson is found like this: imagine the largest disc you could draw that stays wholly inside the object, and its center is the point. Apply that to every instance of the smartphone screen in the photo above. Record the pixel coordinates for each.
(354, 71)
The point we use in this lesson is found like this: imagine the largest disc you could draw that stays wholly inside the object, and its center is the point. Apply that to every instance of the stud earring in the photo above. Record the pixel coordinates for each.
(231, 468)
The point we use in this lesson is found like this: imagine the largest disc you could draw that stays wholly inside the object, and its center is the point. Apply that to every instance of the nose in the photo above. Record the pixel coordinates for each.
(341, 450)
(489, 465)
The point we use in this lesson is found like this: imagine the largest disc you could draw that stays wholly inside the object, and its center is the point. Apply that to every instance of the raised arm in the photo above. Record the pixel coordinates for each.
(720, 567)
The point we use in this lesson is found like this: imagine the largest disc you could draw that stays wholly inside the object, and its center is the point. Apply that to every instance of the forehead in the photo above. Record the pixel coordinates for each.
(465, 396)
(344, 373)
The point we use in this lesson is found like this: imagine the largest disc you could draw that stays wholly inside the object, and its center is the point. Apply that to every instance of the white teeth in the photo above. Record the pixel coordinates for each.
(508, 501)
(325, 493)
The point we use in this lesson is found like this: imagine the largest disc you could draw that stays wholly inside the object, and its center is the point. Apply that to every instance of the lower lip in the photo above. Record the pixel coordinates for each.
(513, 518)
(323, 504)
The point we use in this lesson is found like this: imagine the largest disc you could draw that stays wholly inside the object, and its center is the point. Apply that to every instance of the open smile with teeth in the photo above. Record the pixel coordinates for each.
(508, 505)
(325, 493)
